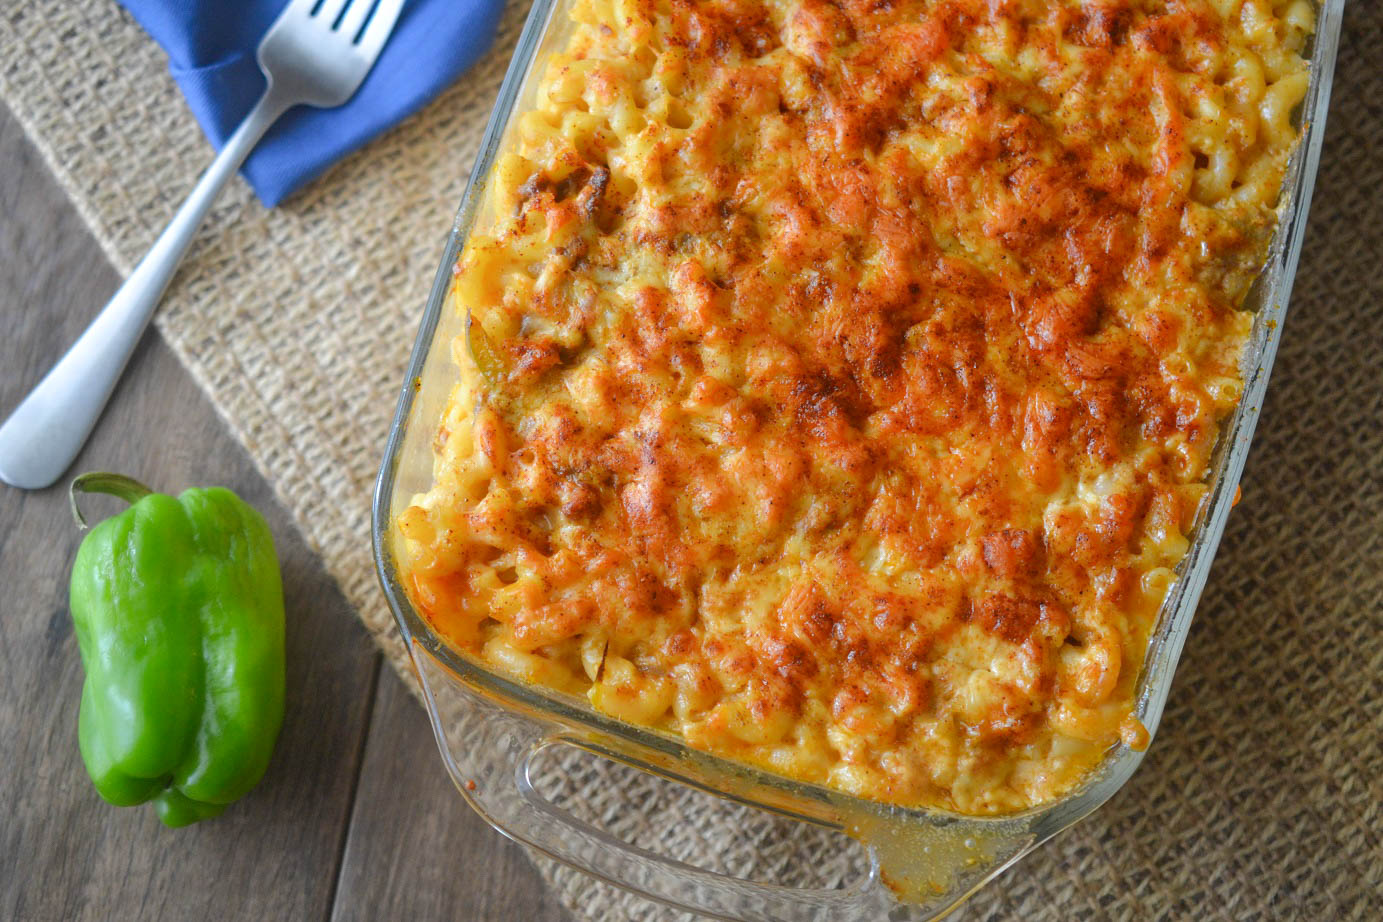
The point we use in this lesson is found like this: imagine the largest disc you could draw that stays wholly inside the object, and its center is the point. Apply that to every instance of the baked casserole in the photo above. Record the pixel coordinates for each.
(840, 379)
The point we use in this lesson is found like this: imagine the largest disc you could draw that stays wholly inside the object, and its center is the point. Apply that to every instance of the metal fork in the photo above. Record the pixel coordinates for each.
(316, 53)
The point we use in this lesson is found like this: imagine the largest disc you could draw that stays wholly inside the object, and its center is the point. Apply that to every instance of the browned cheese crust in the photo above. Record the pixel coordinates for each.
(842, 376)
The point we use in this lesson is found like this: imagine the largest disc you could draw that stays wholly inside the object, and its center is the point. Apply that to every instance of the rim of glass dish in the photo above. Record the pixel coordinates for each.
(1171, 627)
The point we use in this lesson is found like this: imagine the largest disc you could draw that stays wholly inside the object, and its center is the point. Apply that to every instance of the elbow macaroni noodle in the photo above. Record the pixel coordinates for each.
(840, 378)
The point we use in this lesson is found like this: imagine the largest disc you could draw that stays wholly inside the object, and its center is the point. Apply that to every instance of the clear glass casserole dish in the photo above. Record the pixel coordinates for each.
(492, 730)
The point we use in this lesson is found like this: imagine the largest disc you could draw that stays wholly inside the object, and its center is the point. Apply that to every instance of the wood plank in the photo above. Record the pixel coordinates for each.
(416, 850)
(65, 854)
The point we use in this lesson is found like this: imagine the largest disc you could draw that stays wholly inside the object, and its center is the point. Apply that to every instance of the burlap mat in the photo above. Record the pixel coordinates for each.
(1262, 797)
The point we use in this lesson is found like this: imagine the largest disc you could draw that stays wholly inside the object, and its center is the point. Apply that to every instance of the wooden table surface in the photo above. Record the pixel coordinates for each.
(355, 785)
(356, 818)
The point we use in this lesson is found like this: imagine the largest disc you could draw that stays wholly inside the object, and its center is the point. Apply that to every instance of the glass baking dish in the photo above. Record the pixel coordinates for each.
(491, 731)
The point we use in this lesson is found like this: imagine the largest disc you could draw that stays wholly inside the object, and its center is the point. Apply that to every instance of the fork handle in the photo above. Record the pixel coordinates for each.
(45, 432)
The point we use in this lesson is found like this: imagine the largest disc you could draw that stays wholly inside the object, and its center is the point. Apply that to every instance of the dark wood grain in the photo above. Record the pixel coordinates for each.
(64, 854)
(351, 766)
(416, 850)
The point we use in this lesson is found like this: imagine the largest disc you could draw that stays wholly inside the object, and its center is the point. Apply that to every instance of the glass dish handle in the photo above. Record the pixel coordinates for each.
(487, 750)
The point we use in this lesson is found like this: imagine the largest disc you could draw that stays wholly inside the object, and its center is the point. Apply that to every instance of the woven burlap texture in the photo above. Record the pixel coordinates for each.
(1261, 798)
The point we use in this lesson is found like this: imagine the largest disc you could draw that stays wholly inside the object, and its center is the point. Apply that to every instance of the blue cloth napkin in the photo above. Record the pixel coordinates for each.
(211, 51)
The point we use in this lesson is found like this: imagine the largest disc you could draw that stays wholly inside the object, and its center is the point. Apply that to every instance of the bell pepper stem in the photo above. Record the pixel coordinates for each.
(127, 488)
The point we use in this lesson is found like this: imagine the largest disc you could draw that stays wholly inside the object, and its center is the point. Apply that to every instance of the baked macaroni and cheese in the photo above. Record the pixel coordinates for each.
(840, 378)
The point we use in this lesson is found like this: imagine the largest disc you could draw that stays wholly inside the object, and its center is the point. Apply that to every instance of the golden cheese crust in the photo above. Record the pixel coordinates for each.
(841, 377)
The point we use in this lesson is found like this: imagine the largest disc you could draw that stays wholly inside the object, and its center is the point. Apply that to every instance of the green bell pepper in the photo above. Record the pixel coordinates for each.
(178, 607)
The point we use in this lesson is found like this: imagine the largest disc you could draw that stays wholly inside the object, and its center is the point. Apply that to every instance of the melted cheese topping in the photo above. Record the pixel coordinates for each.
(841, 377)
